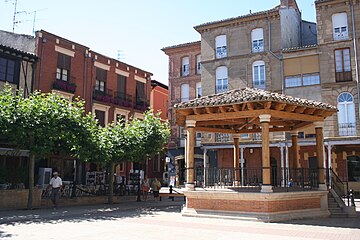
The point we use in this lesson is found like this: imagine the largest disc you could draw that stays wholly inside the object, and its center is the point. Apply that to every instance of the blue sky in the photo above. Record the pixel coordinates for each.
(138, 28)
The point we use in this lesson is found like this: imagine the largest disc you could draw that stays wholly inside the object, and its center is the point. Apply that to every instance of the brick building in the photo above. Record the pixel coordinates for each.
(276, 50)
(184, 84)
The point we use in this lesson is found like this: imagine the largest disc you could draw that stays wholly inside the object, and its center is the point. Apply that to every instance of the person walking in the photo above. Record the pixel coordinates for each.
(56, 185)
(156, 186)
(145, 188)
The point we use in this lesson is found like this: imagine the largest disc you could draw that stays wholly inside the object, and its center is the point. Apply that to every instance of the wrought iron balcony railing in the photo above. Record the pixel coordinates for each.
(123, 99)
(64, 86)
(347, 129)
(105, 96)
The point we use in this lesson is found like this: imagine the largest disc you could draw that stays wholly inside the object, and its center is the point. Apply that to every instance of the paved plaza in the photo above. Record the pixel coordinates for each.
(160, 220)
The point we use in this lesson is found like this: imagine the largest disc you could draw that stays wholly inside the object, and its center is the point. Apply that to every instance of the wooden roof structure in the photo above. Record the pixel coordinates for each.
(238, 111)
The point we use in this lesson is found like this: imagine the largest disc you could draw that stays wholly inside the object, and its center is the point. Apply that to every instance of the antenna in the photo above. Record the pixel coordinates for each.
(14, 2)
(120, 55)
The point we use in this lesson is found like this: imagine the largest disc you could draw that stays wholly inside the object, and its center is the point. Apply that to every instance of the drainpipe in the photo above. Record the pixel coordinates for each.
(278, 58)
(86, 55)
(356, 56)
(91, 84)
(43, 41)
(33, 75)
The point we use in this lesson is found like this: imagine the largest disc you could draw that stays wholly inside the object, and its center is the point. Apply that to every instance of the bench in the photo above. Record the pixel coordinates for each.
(171, 195)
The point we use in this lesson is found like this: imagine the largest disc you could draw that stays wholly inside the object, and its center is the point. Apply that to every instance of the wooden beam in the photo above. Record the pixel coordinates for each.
(300, 109)
(319, 112)
(222, 109)
(309, 111)
(243, 106)
(250, 105)
(185, 111)
(209, 110)
(227, 115)
(197, 111)
(301, 125)
(267, 105)
(220, 122)
(244, 125)
(280, 106)
(295, 116)
(214, 130)
(290, 108)
(236, 107)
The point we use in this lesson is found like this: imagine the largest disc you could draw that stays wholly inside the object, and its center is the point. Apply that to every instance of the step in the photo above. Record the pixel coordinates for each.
(339, 215)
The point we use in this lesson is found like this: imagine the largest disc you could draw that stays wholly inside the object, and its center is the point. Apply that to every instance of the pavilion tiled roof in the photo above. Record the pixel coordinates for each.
(244, 95)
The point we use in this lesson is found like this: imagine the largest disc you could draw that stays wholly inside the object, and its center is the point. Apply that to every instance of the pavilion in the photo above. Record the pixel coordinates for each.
(244, 111)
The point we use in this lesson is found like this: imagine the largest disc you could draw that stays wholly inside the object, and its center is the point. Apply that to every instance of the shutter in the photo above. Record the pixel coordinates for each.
(140, 90)
(257, 34)
(121, 84)
(339, 20)
(63, 61)
(101, 74)
(220, 41)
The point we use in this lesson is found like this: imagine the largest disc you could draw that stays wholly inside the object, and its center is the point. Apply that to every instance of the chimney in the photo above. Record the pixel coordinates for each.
(288, 3)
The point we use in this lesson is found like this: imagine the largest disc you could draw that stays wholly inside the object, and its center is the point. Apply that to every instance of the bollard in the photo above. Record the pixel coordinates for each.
(351, 196)
(170, 191)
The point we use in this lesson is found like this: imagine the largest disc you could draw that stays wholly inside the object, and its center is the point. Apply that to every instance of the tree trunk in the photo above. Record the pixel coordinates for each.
(111, 183)
(31, 181)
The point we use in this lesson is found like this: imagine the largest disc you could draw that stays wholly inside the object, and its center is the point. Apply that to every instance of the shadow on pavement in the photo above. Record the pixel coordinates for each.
(88, 213)
(329, 222)
(5, 235)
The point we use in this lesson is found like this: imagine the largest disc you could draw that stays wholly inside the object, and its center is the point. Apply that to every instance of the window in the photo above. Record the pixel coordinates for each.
(121, 84)
(346, 115)
(185, 93)
(63, 67)
(259, 75)
(198, 90)
(140, 93)
(340, 26)
(182, 132)
(221, 79)
(100, 116)
(185, 67)
(302, 80)
(342, 65)
(198, 135)
(101, 76)
(220, 46)
(257, 37)
(198, 64)
(7, 70)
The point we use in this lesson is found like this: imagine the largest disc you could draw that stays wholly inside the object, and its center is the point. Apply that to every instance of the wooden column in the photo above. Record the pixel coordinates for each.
(320, 152)
(295, 150)
(236, 138)
(190, 144)
(265, 135)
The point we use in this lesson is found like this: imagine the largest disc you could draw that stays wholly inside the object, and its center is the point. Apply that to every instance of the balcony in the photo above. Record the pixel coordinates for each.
(123, 99)
(105, 96)
(64, 86)
(347, 129)
(141, 104)
(222, 137)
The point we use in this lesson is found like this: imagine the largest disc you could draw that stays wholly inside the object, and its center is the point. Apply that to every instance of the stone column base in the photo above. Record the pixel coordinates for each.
(189, 187)
(266, 189)
(322, 186)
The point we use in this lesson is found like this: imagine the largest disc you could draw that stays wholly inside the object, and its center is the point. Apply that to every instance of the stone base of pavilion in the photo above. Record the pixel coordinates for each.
(256, 206)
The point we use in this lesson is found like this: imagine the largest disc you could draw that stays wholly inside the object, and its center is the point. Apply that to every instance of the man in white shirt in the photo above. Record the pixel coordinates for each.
(55, 184)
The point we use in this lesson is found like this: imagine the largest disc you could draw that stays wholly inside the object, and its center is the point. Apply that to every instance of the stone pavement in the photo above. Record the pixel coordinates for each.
(160, 220)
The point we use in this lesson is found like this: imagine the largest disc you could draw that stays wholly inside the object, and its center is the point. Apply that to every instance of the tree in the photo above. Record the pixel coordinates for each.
(43, 123)
(131, 141)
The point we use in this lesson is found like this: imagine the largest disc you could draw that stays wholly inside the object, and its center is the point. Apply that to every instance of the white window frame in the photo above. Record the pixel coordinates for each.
(340, 26)
(121, 112)
(185, 66)
(185, 88)
(257, 40)
(104, 108)
(302, 80)
(221, 79)
(346, 114)
(258, 82)
(220, 46)
(198, 90)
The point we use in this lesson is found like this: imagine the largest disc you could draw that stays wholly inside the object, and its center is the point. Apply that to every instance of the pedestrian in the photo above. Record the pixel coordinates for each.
(145, 186)
(156, 186)
(56, 185)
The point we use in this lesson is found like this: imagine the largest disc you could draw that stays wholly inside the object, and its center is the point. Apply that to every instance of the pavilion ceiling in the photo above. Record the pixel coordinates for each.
(238, 111)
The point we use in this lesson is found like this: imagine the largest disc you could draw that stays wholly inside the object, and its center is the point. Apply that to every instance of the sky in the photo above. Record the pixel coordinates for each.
(137, 29)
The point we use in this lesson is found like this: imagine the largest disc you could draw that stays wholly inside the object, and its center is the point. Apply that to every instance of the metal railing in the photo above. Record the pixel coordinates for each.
(64, 86)
(222, 137)
(123, 99)
(282, 179)
(103, 96)
(141, 103)
(340, 188)
(347, 129)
